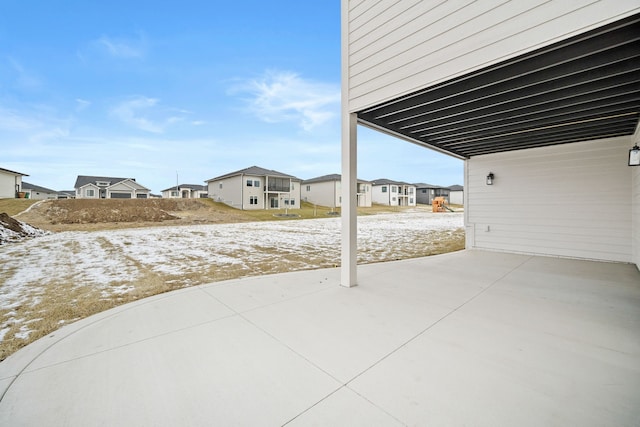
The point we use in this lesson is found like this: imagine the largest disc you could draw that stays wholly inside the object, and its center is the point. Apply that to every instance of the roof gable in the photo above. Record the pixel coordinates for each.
(255, 171)
(385, 181)
(196, 187)
(33, 187)
(84, 180)
(12, 172)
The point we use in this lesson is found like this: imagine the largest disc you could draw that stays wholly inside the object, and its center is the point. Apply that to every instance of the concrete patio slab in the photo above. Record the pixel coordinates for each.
(468, 338)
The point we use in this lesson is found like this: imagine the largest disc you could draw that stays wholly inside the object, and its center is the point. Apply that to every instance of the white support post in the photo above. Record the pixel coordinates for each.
(349, 205)
(348, 268)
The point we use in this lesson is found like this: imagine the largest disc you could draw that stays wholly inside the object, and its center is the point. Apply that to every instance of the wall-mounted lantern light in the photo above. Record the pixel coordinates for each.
(634, 156)
(490, 178)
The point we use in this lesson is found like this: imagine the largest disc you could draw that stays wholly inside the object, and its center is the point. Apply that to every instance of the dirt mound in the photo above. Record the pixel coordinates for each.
(103, 214)
(83, 211)
(12, 230)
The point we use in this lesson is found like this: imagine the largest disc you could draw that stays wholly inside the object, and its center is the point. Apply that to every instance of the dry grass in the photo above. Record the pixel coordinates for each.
(67, 301)
(15, 206)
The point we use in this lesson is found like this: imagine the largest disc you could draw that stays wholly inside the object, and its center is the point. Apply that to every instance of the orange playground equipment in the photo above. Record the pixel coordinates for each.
(439, 205)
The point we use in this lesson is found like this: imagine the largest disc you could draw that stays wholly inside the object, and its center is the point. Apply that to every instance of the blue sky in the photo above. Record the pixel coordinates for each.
(148, 89)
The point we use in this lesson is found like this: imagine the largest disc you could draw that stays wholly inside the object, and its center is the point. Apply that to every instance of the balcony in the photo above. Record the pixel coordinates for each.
(278, 188)
(466, 338)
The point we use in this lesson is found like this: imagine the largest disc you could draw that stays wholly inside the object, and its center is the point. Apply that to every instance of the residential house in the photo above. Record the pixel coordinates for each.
(67, 194)
(256, 188)
(456, 194)
(101, 187)
(425, 193)
(10, 183)
(393, 193)
(33, 191)
(185, 191)
(327, 191)
(538, 99)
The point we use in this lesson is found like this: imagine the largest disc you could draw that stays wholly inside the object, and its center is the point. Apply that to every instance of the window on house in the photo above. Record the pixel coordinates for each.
(292, 187)
(410, 199)
(256, 183)
(393, 199)
(410, 190)
(394, 189)
(424, 191)
(384, 188)
(90, 193)
(249, 183)
(174, 194)
(220, 185)
(253, 200)
(102, 183)
(308, 188)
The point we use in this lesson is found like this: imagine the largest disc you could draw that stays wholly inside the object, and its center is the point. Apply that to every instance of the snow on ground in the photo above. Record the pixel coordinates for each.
(110, 260)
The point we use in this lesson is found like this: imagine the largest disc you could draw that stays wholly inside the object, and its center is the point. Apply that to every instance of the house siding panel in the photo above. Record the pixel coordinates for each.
(569, 200)
(229, 193)
(8, 183)
(326, 193)
(419, 45)
(258, 192)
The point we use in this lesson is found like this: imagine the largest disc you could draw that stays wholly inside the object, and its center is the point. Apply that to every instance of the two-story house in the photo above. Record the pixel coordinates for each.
(326, 190)
(393, 193)
(425, 193)
(256, 188)
(101, 187)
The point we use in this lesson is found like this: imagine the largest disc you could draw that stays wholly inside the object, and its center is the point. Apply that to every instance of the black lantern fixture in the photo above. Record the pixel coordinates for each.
(490, 178)
(634, 156)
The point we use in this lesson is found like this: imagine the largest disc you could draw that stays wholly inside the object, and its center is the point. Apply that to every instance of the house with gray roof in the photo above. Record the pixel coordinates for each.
(10, 183)
(256, 188)
(326, 190)
(425, 193)
(393, 193)
(185, 191)
(37, 192)
(67, 194)
(101, 187)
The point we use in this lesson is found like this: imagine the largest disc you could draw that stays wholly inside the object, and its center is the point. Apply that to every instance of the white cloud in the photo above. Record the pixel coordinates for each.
(13, 121)
(23, 78)
(82, 104)
(280, 96)
(134, 112)
(123, 48)
(147, 114)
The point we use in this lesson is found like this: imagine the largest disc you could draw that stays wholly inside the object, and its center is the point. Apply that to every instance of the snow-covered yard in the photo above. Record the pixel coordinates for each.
(116, 262)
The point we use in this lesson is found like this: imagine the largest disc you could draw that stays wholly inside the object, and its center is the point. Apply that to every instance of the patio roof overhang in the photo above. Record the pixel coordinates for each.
(583, 88)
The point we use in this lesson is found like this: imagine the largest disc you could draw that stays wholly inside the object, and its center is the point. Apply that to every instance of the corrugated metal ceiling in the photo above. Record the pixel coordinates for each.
(583, 88)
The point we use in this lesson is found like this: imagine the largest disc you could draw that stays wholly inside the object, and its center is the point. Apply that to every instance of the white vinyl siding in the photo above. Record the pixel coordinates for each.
(397, 47)
(324, 193)
(253, 192)
(228, 190)
(570, 200)
(8, 183)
